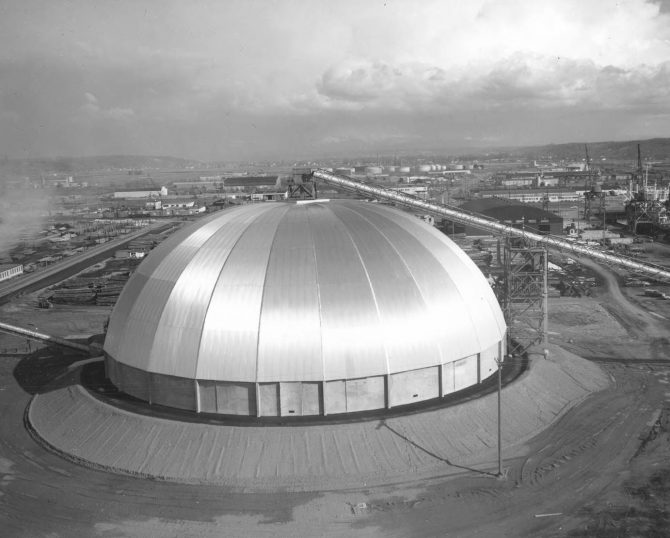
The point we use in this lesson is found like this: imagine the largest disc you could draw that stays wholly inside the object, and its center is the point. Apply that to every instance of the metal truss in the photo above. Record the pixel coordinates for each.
(647, 212)
(524, 294)
(302, 187)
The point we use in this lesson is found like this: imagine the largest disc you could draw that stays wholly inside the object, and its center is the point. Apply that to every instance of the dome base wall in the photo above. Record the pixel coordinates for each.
(305, 398)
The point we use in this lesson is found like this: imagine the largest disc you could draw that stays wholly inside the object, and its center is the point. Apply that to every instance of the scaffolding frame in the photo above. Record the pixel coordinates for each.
(524, 294)
(302, 186)
(647, 212)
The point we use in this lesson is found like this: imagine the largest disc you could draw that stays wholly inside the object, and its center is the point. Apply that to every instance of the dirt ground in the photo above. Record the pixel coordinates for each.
(602, 470)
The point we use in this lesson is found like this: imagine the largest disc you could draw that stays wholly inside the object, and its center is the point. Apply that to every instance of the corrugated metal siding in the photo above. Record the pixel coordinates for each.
(116, 332)
(414, 386)
(351, 333)
(229, 341)
(136, 316)
(488, 364)
(442, 320)
(475, 296)
(269, 399)
(289, 343)
(402, 311)
(180, 328)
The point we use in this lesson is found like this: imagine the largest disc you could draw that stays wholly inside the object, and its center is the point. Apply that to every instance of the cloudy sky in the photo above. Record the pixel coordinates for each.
(297, 78)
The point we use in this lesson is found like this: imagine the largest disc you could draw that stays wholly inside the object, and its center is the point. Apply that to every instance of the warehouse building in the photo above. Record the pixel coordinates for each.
(141, 193)
(518, 215)
(313, 308)
(227, 184)
(9, 270)
(553, 194)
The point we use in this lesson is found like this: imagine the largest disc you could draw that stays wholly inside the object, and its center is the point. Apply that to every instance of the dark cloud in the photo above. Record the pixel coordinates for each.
(359, 83)
(520, 82)
(54, 106)
(664, 5)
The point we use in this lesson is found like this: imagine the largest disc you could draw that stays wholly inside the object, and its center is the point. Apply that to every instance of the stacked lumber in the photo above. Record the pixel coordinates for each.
(72, 296)
(109, 293)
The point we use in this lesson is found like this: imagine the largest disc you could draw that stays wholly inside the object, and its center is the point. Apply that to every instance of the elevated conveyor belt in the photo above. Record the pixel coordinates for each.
(42, 337)
(493, 226)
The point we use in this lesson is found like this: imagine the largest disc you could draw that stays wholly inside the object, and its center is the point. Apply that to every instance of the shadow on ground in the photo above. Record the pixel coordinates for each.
(384, 424)
(47, 369)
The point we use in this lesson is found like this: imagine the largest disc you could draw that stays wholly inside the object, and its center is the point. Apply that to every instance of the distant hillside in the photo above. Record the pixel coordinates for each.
(652, 149)
(64, 165)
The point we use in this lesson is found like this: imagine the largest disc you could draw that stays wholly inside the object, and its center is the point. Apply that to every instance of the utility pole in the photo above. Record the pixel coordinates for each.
(499, 361)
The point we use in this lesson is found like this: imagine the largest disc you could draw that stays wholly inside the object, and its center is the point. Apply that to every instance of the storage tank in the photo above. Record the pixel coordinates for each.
(404, 169)
(423, 168)
(373, 170)
(312, 308)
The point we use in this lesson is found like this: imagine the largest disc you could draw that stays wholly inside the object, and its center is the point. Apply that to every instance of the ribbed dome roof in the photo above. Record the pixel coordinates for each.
(303, 292)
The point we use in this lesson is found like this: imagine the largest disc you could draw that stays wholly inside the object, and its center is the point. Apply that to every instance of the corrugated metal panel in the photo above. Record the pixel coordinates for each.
(488, 364)
(141, 324)
(180, 328)
(465, 372)
(290, 397)
(441, 318)
(207, 395)
(236, 398)
(173, 391)
(335, 397)
(448, 378)
(352, 338)
(312, 397)
(404, 317)
(289, 343)
(479, 303)
(229, 342)
(365, 394)
(140, 305)
(414, 386)
(268, 395)
(116, 332)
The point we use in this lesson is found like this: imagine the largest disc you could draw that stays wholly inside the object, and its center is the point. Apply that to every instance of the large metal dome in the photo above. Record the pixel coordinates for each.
(303, 308)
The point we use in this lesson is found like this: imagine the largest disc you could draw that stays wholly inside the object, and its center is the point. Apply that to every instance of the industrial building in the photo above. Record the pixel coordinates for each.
(515, 214)
(241, 182)
(9, 270)
(227, 183)
(308, 308)
(141, 193)
(552, 194)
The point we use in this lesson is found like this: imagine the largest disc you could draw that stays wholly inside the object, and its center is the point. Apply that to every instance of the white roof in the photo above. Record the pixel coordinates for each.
(303, 292)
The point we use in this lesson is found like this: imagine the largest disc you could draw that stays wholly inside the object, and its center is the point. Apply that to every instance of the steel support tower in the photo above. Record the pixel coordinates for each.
(524, 294)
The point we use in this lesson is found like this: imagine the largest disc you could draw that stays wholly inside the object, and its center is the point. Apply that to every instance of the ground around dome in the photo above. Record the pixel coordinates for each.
(431, 444)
